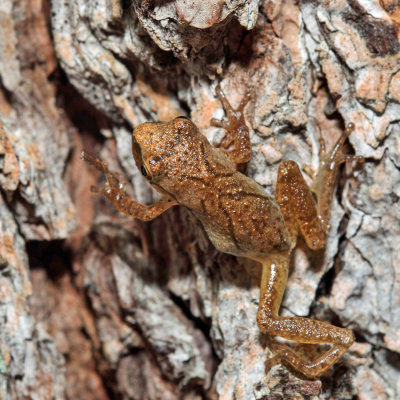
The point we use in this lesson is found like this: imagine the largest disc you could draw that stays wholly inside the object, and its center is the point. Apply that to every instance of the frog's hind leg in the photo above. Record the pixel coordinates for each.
(305, 209)
(310, 216)
(303, 330)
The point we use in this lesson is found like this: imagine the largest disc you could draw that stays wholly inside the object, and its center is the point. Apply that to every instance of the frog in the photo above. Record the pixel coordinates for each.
(239, 217)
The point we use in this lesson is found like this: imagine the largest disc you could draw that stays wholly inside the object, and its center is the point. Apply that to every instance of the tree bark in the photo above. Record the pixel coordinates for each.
(94, 305)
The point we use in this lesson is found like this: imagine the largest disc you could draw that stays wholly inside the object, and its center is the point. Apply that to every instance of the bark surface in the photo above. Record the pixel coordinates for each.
(94, 305)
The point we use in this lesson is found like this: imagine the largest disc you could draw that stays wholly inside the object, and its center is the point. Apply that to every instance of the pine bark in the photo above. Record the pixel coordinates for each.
(94, 305)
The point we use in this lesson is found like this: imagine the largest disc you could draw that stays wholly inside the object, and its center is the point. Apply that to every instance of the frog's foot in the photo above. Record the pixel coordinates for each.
(330, 161)
(115, 192)
(310, 369)
(235, 118)
(278, 350)
(114, 189)
(237, 133)
(336, 157)
(324, 180)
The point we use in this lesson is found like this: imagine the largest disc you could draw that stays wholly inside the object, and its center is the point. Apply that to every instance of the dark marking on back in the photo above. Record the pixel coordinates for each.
(230, 224)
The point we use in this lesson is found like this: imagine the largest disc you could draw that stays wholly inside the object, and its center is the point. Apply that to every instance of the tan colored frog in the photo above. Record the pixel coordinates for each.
(240, 218)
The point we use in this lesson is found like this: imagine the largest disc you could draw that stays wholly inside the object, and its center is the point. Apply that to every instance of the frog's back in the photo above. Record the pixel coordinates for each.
(243, 220)
(237, 214)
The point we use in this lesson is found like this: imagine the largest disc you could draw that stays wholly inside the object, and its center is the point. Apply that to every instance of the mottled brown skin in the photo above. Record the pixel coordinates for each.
(238, 216)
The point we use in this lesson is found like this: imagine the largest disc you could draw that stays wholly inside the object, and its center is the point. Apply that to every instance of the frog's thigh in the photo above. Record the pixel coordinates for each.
(298, 207)
(303, 330)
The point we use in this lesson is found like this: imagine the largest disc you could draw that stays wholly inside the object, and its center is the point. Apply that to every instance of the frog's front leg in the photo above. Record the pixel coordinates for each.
(114, 191)
(237, 134)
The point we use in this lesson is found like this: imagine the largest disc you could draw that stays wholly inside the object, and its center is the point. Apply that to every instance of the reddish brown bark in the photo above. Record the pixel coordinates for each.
(96, 306)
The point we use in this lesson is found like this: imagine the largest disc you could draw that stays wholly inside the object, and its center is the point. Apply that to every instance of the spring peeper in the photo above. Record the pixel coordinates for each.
(240, 218)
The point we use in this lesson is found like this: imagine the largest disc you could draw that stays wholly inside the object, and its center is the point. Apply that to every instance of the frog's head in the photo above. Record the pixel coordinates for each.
(162, 149)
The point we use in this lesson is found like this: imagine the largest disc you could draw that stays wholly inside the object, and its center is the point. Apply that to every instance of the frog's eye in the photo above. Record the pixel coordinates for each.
(143, 170)
(182, 116)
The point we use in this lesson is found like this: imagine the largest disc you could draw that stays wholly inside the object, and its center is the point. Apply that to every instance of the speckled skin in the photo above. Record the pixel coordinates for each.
(238, 216)
(235, 211)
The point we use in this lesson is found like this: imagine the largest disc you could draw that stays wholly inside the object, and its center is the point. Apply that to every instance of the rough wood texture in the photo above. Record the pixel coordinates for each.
(95, 306)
